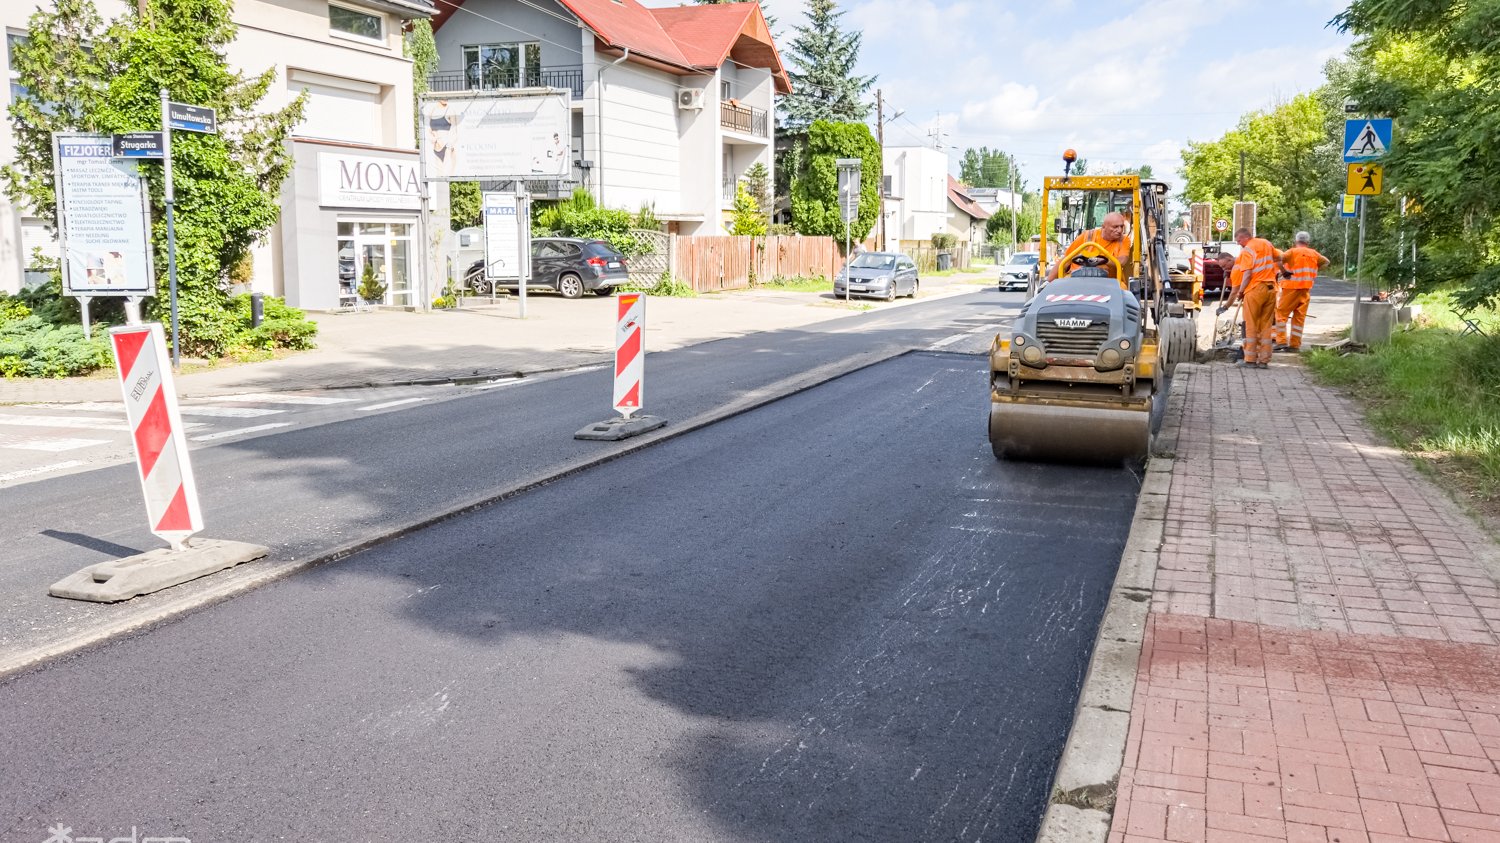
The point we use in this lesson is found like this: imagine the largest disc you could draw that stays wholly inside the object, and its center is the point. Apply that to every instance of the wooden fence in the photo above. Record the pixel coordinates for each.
(725, 262)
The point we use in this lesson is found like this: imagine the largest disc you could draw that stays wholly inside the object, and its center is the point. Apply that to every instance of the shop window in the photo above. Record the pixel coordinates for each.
(359, 24)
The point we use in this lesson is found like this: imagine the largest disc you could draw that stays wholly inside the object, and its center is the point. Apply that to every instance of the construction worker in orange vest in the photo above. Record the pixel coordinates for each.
(1256, 270)
(1110, 234)
(1303, 262)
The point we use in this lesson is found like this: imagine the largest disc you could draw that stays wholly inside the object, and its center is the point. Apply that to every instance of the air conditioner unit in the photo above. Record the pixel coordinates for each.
(690, 99)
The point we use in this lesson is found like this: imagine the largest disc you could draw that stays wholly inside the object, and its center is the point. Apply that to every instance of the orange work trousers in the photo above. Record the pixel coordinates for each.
(1291, 316)
(1260, 320)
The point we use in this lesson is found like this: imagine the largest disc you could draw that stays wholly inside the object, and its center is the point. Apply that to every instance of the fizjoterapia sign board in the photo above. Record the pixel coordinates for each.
(102, 216)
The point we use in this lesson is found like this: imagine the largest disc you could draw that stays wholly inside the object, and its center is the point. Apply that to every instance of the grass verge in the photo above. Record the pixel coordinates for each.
(1435, 394)
(798, 284)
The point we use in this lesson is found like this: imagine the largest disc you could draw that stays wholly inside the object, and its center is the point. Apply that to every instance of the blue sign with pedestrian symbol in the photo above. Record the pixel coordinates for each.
(1366, 139)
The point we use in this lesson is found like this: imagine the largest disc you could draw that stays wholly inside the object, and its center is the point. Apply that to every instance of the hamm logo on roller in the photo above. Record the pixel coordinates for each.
(1072, 322)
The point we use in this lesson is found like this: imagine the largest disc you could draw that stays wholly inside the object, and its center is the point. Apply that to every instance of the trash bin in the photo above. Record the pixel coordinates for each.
(945, 261)
(1374, 322)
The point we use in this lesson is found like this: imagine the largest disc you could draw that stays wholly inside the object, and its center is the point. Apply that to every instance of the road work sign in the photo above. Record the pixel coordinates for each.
(1365, 179)
(156, 426)
(1350, 207)
(1366, 139)
(630, 352)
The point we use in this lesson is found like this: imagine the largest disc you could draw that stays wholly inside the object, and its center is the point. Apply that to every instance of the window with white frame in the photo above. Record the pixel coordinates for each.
(346, 21)
(489, 66)
(12, 41)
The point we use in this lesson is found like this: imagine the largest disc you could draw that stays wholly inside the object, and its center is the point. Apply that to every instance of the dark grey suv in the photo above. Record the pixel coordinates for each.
(569, 265)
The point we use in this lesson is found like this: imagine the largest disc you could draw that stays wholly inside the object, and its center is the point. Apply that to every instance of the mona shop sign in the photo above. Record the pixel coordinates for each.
(362, 181)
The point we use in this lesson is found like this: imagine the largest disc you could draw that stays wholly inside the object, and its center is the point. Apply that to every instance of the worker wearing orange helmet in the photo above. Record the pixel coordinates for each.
(1111, 235)
(1303, 262)
(1256, 270)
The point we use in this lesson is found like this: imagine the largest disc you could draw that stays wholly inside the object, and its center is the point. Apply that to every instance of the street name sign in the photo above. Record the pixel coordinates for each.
(139, 145)
(192, 118)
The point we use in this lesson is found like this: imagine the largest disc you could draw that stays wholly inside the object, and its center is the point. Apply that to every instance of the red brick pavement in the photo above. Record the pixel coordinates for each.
(1322, 660)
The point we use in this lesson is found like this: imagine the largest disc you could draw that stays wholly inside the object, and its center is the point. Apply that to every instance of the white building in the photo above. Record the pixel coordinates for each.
(918, 207)
(670, 105)
(347, 56)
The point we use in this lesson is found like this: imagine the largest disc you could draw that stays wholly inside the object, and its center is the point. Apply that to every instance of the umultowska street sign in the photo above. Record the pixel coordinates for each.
(192, 118)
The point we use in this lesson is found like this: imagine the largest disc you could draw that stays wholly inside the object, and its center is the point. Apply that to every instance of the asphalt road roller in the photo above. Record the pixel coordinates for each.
(1079, 375)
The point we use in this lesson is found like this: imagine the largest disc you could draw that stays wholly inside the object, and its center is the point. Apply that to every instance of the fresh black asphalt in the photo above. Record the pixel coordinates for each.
(833, 618)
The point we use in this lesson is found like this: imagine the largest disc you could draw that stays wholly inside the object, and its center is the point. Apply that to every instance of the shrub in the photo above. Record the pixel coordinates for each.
(31, 348)
(12, 309)
(295, 334)
(666, 286)
(944, 240)
(444, 302)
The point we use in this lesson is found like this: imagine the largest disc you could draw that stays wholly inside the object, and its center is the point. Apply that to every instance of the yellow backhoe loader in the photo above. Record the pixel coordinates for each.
(1079, 374)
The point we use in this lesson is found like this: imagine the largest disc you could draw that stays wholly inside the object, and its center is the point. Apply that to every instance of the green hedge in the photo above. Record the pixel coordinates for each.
(31, 348)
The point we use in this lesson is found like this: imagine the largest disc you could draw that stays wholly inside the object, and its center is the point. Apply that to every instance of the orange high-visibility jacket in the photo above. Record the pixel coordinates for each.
(1120, 249)
(1256, 263)
(1303, 261)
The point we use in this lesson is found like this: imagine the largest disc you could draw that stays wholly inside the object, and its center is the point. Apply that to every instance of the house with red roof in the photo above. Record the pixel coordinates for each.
(670, 106)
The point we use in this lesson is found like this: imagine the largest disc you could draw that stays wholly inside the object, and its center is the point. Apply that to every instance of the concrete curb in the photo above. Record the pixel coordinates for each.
(1082, 798)
(249, 577)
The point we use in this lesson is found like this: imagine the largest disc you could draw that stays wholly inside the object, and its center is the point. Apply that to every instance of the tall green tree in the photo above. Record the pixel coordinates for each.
(824, 85)
(85, 75)
(1288, 158)
(984, 167)
(1432, 65)
(815, 189)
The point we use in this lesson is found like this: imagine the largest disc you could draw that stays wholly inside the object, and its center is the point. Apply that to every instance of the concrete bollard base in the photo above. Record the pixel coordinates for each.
(154, 570)
(613, 430)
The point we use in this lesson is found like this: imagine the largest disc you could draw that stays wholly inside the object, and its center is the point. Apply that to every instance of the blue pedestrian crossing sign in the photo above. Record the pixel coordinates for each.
(1366, 139)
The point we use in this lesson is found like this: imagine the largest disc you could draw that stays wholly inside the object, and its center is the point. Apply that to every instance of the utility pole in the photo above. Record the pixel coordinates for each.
(880, 139)
(1015, 210)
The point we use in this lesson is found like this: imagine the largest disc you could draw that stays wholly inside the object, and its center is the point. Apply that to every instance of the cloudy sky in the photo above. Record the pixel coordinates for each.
(1124, 83)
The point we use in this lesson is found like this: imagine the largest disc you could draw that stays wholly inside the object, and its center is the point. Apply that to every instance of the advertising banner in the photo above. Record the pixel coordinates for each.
(502, 237)
(363, 181)
(103, 221)
(492, 137)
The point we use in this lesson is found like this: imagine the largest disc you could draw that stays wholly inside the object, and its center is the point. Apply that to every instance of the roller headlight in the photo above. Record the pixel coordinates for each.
(1032, 355)
(1108, 359)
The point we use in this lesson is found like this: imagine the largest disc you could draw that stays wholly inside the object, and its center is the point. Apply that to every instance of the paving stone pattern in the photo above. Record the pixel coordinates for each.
(1322, 658)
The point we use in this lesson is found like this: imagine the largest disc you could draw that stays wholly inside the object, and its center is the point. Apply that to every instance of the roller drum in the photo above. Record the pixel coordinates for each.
(1057, 433)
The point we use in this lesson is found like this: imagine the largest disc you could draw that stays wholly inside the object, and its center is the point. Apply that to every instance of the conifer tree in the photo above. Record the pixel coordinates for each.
(824, 85)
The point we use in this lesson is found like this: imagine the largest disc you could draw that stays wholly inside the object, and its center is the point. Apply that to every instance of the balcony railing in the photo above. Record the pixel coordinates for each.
(492, 79)
(743, 119)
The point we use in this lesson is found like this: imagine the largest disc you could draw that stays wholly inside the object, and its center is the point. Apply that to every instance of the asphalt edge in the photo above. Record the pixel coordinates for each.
(1081, 801)
(254, 575)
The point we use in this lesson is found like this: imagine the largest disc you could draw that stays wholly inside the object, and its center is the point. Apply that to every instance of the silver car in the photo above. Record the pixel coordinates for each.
(1019, 271)
(879, 275)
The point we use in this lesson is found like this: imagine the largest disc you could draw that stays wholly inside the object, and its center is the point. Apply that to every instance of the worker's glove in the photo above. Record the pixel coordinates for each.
(1222, 309)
